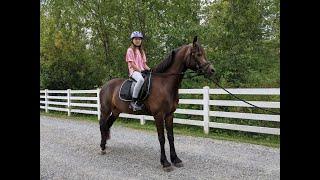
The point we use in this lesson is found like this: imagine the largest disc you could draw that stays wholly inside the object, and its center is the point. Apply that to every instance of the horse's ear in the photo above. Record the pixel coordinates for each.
(173, 53)
(195, 39)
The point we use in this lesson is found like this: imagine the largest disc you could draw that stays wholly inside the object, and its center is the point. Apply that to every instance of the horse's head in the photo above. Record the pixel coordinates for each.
(198, 61)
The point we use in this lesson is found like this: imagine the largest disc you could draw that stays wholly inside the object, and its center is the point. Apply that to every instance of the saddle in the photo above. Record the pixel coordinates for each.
(126, 89)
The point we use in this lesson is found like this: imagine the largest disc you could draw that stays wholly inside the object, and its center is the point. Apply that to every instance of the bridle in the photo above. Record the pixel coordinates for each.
(200, 68)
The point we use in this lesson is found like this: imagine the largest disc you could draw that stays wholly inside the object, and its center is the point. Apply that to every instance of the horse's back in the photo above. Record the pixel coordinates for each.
(109, 88)
(113, 82)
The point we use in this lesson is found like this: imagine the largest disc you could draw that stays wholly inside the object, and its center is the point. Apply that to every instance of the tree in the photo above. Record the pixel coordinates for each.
(83, 43)
(237, 34)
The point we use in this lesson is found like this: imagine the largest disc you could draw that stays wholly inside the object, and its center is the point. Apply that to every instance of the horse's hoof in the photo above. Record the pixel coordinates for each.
(168, 168)
(180, 164)
(103, 152)
(176, 162)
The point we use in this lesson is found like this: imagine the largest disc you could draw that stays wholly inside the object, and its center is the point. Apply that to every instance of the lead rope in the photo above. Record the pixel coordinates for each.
(199, 74)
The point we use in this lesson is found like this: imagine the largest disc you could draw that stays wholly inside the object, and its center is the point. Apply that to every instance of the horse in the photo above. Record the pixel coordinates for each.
(163, 98)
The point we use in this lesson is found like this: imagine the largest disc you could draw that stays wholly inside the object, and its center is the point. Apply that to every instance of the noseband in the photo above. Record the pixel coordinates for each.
(202, 68)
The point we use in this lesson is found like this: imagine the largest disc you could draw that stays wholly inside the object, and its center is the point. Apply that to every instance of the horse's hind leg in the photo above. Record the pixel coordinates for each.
(104, 134)
(105, 124)
(113, 116)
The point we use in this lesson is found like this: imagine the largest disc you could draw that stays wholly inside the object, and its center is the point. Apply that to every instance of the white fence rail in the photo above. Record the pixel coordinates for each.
(89, 99)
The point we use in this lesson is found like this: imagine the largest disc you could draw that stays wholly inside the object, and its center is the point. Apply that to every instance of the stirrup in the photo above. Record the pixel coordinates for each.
(135, 107)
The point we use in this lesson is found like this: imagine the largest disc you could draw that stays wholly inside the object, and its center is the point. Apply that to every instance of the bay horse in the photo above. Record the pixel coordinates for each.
(163, 99)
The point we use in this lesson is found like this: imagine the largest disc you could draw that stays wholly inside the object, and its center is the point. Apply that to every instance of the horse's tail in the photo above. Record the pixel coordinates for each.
(105, 100)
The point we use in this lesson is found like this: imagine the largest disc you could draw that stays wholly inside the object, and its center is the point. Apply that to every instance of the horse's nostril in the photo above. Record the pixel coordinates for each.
(212, 70)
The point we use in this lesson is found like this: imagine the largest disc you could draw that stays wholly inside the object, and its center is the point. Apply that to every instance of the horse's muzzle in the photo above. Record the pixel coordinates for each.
(211, 71)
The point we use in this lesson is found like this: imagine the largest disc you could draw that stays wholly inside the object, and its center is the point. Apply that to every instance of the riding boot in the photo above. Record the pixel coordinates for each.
(136, 106)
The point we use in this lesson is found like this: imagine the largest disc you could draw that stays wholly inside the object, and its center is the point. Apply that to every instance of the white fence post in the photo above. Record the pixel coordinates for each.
(142, 120)
(98, 102)
(46, 99)
(69, 101)
(206, 109)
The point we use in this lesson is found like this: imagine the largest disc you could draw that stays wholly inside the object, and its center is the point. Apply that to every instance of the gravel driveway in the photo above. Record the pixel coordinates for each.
(69, 149)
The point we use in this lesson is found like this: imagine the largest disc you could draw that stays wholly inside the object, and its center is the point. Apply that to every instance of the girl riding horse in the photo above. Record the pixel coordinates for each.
(163, 99)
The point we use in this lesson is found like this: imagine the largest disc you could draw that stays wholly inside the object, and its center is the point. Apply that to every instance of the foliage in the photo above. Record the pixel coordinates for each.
(83, 43)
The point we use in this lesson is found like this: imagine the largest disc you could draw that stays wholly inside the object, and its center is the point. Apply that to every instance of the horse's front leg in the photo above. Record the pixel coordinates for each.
(159, 120)
(173, 156)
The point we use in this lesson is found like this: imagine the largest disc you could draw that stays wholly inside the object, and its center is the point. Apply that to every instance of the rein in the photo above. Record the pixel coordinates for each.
(199, 66)
(199, 74)
(167, 74)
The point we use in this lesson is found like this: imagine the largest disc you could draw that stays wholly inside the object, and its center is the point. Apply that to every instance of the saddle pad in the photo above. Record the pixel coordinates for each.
(126, 89)
(124, 93)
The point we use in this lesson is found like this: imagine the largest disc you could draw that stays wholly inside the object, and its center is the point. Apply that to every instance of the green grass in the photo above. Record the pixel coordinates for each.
(195, 131)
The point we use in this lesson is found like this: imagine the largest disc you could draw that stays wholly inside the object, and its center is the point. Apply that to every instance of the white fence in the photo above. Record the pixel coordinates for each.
(66, 102)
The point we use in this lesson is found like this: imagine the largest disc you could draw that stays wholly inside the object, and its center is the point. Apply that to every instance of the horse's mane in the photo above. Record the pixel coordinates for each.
(166, 63)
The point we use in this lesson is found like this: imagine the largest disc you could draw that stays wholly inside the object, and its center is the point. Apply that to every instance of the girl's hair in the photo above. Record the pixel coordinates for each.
(141, 49)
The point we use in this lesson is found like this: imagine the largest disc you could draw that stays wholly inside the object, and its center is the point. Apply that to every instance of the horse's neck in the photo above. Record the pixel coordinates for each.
(175, 69)
(178, 66)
